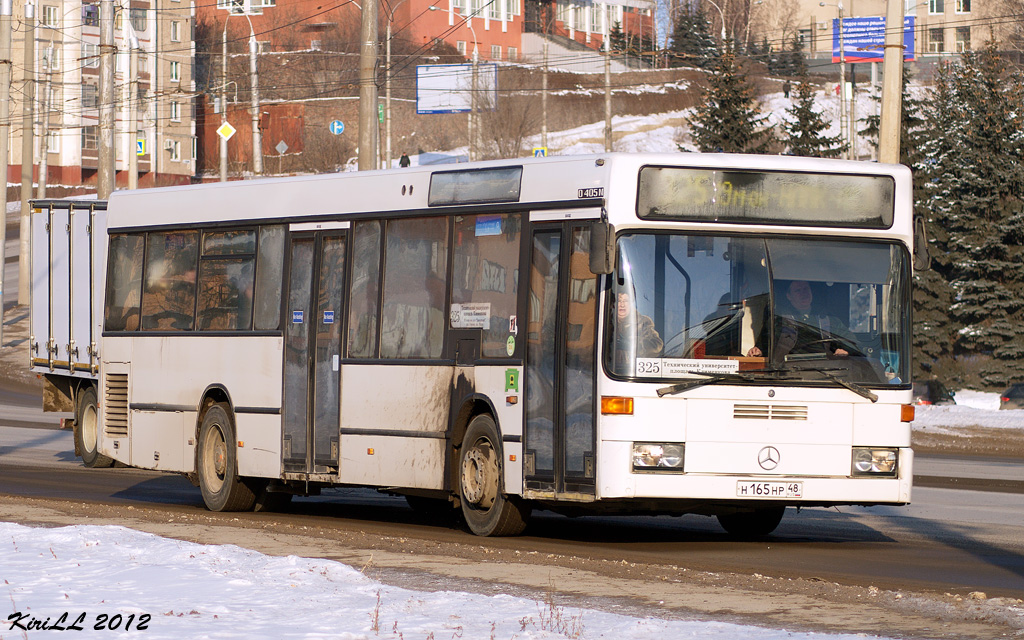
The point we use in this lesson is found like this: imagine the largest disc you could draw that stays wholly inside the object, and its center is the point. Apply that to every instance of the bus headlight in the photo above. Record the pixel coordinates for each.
(653, 456)
(875, 462)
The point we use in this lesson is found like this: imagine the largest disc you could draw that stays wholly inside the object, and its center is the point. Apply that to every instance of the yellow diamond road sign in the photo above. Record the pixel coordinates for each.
(226, 131)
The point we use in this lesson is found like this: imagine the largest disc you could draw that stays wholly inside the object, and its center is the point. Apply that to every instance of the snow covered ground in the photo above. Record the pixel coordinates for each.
(972, 408)
(141, 585)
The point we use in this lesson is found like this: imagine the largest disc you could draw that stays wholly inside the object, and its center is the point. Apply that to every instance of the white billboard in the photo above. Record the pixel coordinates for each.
(448, 88)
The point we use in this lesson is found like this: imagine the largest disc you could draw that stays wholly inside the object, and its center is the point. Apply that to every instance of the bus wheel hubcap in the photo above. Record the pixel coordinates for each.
(480, 476)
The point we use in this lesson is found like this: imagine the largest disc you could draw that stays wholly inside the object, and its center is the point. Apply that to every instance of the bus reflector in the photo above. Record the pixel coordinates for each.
(369, 452)
(511, 457)
(241, 444)
(907, 413)
(615, 405)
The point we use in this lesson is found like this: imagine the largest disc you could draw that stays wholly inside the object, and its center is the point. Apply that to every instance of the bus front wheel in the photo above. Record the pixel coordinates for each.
(87, 434)
(487, 510)
(752, 524)
(217, 465)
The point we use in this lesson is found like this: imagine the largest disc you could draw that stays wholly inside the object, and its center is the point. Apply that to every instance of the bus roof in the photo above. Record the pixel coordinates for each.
(552, 182)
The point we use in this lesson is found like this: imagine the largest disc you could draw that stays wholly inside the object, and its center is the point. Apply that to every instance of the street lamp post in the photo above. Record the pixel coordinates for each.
(475, 59)
(387, 87)
(842, 77)
(257, 143)
(722, 14)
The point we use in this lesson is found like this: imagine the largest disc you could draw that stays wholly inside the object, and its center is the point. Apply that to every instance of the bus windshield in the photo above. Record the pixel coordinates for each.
(812, 309)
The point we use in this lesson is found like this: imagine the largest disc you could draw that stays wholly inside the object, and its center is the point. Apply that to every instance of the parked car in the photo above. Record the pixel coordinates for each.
(932, 392)
(1012, 398)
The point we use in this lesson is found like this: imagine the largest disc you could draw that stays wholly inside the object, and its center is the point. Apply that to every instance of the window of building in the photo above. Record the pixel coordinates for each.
(138, 18)
(495, 52)
(90, 137)
(175, 148)
(90, 96)
(461, 46)
(458, 4)
(494, 10)
(936, 6)
(175, 71)
(90, 55)
(51, 17)
(175, 31)
(118, 19)
(415, 272)
(963, 6)
(936, 41)
(963, 39)
(90, 15)
(175, 111)
(53, 141)
(513, 54)
(51, 59)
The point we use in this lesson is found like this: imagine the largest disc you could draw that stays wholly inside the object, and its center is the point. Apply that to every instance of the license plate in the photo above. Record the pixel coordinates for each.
(746, 489)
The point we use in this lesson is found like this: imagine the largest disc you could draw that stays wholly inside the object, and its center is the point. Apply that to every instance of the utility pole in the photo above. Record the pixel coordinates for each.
(257, 143)
(892, 85)
(6, 9)
(44, 132)
(224, 100)
(368, 87)
(105, 172)
(544, 101)
(387, 93)
(474, 150)
(27, 156)
(133, 110)
(607, 81)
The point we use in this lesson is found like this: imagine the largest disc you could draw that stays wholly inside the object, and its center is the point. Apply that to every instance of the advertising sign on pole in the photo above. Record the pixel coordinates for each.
(448, 88)
(864, 39)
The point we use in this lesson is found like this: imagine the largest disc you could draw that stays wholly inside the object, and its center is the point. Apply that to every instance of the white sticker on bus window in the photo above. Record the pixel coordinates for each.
(471, 315)
(673, 367)
(335, 362)
(297, 317)
(328, 317)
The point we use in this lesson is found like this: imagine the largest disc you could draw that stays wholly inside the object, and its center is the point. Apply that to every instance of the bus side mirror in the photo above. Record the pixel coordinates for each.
(922, 261)
(602, 248)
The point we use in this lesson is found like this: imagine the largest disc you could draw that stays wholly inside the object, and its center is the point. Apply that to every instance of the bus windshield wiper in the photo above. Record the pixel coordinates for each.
(852, 386)
(711, 378)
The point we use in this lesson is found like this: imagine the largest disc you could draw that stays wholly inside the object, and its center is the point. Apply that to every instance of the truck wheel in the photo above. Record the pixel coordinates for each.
(87, 430)
(488, 511)
(217, 464)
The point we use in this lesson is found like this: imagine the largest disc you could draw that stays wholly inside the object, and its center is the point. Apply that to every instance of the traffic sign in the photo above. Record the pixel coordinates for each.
(380, 113)
(226, 131)
(140, 147)
(281, 147)
(337, 127)
(540, 152)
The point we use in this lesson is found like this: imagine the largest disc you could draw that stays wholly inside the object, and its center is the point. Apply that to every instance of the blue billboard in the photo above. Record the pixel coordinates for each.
(864, 39)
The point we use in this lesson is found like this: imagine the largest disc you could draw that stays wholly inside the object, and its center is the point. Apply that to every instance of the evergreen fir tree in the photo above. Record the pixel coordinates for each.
(804, 131)
(790, 62)
(617, 39)
(974, 161)
(729, 118)
(692, 43)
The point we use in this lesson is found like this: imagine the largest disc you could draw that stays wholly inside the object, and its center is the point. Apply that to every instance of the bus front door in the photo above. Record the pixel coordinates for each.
(559, 434)
(313, 353)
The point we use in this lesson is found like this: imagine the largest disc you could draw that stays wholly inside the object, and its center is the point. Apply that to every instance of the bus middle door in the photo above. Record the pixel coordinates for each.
(560, 429)
(312, 362)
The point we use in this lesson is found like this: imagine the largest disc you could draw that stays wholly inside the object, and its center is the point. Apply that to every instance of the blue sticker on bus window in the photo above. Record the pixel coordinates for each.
(488, 225)
(297, 317)
(328, 317)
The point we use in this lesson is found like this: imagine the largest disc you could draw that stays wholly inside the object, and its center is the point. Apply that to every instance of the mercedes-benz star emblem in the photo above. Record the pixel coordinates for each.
(768, 458)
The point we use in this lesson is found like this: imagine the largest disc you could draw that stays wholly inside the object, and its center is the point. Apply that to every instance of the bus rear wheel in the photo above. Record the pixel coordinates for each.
(87, 434)
(487, 510)
(752, 524)
(217, 464)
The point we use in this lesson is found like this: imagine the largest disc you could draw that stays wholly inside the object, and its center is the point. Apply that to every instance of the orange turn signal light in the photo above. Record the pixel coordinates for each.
(615, 405)
(907, 413)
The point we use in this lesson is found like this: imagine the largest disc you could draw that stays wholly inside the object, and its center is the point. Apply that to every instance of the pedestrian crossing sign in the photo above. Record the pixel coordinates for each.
(540, 152)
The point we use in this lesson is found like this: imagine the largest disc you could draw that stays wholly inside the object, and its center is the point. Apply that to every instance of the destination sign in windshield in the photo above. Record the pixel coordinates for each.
(766, 197)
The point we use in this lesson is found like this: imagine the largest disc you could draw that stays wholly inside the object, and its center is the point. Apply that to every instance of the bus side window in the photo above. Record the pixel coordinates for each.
(226, 274)
(362, 298)
(483, 282)
(124, 283)
(269, 278)
(169, 284)
(415, 276)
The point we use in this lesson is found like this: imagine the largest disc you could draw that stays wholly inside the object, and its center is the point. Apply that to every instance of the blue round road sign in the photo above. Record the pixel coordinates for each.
(337, 126)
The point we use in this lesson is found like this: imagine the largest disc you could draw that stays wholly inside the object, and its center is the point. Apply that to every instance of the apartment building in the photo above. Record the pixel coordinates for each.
(66, 45)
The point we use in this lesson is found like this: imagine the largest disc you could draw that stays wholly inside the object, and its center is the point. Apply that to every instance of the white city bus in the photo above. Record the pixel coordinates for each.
(725, 335)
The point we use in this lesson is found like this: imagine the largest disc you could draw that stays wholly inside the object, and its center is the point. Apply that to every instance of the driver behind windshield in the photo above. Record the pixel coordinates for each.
(804, 328)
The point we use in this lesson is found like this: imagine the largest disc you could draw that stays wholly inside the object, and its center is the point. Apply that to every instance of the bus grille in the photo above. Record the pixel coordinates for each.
(115, 406)
(768, 412)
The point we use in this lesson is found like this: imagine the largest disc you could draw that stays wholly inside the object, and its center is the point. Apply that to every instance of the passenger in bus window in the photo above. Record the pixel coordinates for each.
(802, 328)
